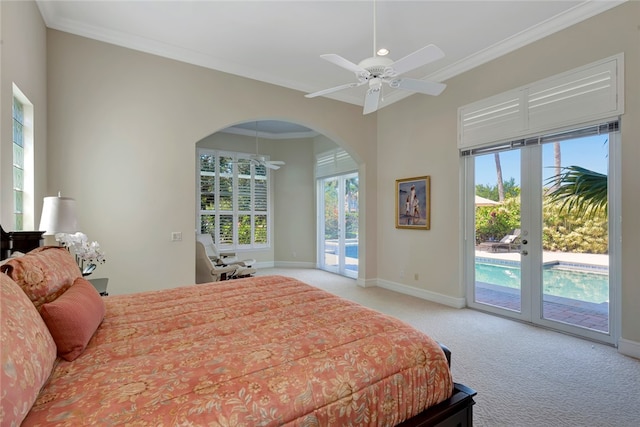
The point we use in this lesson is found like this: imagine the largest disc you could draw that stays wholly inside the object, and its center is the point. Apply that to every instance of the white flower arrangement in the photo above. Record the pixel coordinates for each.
(87, 253)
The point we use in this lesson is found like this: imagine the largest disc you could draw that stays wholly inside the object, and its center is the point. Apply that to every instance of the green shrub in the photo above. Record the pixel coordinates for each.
(495, 222)
(567, 232)
(561, 231)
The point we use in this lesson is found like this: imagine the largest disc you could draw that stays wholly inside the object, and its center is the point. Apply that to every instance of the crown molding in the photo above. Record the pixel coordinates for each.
(269, 135)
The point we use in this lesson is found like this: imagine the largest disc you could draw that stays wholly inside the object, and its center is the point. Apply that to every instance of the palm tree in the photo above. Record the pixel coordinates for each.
(557, 162)
(581, 189)
(500, 181)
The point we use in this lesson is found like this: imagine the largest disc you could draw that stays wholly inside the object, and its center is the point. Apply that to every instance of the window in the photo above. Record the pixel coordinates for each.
(18, 164)
(23, 169)
(574, 98)
(234, 199)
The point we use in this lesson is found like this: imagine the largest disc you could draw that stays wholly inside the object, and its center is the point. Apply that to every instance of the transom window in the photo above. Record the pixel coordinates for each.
(234, 199)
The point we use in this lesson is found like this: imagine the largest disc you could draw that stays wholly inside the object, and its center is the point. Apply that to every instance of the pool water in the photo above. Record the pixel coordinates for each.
(575, 284)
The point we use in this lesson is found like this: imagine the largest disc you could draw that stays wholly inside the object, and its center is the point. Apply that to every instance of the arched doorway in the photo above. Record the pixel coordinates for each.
(285, 234)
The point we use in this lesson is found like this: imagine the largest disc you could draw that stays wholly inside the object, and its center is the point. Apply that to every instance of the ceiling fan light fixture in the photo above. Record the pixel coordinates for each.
(381, 69)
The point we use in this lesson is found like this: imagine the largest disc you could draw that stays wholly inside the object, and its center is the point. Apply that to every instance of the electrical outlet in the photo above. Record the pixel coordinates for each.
(176, 236)
(402, 273)
(416, 276)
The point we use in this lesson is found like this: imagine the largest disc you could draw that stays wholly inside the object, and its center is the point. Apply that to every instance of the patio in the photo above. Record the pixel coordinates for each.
(575, 312)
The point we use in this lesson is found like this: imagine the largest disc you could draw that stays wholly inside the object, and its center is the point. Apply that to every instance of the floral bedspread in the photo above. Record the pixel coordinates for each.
(261, 351)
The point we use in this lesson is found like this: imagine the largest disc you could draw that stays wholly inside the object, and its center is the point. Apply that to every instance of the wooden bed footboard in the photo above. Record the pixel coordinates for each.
(457, 411)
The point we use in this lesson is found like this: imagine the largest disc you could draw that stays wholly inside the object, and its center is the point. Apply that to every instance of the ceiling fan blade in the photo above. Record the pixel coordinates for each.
(271, 166)
(414, 60)
(331, 90)
(371, 101)
(346, 64)
(420, 86)
(276, 162)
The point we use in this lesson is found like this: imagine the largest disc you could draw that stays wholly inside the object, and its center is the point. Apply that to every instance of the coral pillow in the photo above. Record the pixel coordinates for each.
(74, 317)
(27, 353)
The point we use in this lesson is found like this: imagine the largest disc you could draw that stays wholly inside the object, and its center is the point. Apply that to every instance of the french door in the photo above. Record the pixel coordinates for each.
(338, 228)
(531, 258)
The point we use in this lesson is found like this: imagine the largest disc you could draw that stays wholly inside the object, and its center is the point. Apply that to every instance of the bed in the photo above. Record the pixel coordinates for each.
(260, 351)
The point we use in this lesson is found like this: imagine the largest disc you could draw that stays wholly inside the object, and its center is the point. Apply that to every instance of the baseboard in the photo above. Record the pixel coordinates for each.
(293, 264)
(268, 264)
(367, 283)
(424, 294)
(629, 348)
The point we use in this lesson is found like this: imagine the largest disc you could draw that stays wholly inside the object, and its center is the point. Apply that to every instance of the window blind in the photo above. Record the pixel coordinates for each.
(586, 94)
(599, 129)
(334, 162)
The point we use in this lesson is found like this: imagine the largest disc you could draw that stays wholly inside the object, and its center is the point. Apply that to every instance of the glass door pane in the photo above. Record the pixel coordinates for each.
(497, 284)
(339, 229)
(351, 225)
(330, 235)
(575, 273)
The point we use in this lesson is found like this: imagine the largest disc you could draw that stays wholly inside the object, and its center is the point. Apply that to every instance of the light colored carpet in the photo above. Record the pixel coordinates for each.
(524, 375)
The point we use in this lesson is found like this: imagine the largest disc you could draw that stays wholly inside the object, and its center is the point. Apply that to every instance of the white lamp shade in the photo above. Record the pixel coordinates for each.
(58, 216)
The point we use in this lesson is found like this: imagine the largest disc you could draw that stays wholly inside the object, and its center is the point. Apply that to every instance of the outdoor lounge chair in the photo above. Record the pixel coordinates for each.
(508, 242)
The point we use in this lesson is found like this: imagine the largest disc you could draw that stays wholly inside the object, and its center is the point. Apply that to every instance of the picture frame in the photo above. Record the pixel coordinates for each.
(413, 203)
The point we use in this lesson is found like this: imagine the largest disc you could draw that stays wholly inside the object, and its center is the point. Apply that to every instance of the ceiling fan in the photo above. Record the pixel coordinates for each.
(260, 160)
(377, 70)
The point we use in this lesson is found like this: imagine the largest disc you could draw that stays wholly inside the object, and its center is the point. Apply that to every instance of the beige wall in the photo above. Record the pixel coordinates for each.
(418, 137)
(23, 61)
(122, 135)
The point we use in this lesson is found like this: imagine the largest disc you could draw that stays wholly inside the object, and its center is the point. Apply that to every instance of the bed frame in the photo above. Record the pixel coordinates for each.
(456, 411)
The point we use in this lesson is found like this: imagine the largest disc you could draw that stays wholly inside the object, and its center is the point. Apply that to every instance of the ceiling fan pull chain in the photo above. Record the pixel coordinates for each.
(374, 28)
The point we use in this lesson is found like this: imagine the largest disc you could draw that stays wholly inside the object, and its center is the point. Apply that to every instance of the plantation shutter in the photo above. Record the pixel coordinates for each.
(334, 162)
(586, 94)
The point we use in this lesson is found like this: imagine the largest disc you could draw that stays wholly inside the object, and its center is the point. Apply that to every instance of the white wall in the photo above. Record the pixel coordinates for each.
(23, 61)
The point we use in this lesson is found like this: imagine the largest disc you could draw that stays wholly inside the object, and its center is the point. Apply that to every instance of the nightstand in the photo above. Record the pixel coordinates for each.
(100, 285)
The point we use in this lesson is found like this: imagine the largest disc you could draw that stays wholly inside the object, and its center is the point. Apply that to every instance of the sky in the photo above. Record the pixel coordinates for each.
(590, 152)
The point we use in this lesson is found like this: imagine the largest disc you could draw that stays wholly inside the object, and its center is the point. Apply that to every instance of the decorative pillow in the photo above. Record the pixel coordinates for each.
(15, 254)
(27, 353)
(73, 318)
(44, 273)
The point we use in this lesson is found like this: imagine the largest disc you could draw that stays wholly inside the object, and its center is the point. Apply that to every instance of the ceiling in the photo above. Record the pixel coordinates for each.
(280, 42)
(271, 129)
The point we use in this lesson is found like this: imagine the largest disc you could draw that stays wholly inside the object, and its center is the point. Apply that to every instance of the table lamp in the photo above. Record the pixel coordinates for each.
(58, 216)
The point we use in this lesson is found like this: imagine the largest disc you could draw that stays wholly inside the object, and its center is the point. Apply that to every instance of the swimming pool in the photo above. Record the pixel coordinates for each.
(590, 285)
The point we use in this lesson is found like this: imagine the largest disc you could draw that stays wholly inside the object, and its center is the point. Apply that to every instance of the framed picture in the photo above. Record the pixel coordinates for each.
(413, 203)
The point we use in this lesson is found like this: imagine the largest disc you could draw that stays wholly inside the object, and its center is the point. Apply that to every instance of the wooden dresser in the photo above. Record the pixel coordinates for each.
(21, 241)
